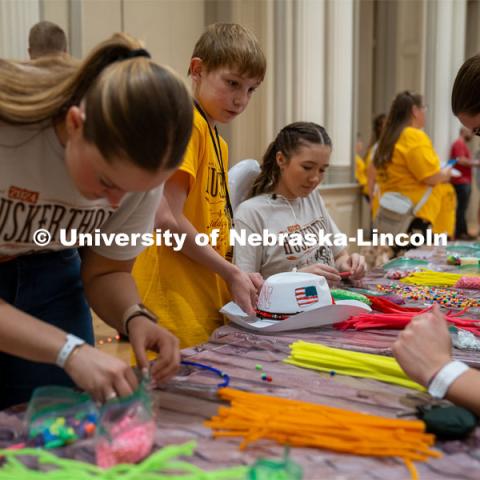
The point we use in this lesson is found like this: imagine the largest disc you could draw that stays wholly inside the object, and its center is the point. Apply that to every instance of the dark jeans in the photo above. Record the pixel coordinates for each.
(418, 225)
(463, 196)
(47, 286)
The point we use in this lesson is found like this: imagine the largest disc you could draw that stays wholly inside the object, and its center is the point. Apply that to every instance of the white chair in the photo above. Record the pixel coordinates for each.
(240, 180)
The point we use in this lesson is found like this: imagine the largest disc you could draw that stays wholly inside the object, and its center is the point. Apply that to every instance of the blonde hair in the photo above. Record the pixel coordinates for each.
(134, 108)
(231, 45)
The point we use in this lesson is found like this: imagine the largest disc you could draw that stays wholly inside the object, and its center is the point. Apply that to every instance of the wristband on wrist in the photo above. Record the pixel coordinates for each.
(71, 343)
(441, 382)
(134, 311)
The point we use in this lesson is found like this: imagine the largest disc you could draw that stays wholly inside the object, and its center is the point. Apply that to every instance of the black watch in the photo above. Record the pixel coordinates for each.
(135, 311)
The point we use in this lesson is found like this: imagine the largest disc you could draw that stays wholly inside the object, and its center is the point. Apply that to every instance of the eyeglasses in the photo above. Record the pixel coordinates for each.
(476, 131)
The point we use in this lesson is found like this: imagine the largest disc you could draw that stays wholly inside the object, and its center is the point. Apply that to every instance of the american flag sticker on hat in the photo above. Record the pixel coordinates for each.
(306, 296)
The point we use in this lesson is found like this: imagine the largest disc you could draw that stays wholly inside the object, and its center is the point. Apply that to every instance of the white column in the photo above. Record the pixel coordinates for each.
(339, 79)
(459, 21)
(16, 19)
(309, 61)
(283, 63)
(446, 25)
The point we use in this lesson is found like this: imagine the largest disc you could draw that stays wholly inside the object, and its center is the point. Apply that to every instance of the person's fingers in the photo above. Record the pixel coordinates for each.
(257, 280)
(332, 276)
(165, 352)
(97, 394)
(424, 317)
(109, 395)
(437, 313)
(360, 265)
(168, 358)
(131, 378)
(244, 301)
(122, 387)
(327, 268)
(160, 375)
(139, 350)
(167, 372)
(354, 261)
(253, 298)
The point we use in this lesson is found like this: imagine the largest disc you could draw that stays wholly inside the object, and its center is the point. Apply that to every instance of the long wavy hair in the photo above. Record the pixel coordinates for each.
(134, 108)
(399, 117)
(288, 141)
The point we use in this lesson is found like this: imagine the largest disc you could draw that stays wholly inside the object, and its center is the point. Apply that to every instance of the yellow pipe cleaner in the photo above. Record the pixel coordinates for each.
(344, 362)
(434, 279)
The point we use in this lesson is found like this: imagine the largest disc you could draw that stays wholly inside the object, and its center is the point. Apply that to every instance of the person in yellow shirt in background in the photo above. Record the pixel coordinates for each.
(407, 163)
(187, 287)
(372, 187)
(360, 167)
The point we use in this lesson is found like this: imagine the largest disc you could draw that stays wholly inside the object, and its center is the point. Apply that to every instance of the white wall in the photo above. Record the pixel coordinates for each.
(16, 19)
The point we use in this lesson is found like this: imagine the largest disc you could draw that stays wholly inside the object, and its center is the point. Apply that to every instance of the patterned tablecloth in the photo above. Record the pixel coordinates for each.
(190, 398)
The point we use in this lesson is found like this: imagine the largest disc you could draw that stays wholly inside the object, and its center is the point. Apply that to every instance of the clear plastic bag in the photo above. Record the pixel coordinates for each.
(126, 429)
(463, 339)
(57, 416)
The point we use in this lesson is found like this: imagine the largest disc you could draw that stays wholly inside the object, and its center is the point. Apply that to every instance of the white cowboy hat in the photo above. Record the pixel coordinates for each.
(293, 301)
(293, 292)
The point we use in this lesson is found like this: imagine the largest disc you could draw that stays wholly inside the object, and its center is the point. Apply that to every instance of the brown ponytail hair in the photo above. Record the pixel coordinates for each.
(399, 117)
(377, 127)
(134, 108)
(288, 141)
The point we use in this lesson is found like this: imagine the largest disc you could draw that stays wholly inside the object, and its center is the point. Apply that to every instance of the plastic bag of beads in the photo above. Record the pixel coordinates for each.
(463, 339)
(126, 429)
(58, 416)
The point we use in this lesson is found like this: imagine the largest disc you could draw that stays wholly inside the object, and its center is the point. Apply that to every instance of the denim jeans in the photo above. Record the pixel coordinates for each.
(47, 286)
(463, 197)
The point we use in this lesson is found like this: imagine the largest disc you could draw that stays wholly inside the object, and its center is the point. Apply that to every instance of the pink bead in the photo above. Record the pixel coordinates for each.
(129, 444)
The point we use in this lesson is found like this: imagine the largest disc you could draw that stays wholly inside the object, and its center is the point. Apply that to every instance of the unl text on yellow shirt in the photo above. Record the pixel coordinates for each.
(185, 295)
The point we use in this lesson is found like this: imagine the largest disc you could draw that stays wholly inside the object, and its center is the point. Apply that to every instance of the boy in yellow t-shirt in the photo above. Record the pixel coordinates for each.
(186, 288)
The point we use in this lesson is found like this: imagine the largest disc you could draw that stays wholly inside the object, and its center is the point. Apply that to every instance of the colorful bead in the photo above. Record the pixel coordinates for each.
(448, 297)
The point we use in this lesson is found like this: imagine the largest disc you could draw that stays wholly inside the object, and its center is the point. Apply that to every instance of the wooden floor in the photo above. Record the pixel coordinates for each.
(105, 339)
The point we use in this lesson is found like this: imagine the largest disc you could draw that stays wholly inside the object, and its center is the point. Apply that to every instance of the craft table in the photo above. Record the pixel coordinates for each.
(190, 399)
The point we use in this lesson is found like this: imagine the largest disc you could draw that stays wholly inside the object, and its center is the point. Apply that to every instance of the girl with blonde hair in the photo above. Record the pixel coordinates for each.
(84, 147)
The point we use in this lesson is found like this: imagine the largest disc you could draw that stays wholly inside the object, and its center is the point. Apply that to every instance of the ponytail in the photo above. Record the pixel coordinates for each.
(134, 108)
(399, 117)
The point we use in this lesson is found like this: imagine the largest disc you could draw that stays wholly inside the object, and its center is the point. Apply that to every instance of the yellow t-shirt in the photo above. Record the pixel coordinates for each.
(361, 174)
(413, 160)
(185, 295)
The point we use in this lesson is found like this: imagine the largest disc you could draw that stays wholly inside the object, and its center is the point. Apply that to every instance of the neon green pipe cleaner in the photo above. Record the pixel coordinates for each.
(158, 466)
